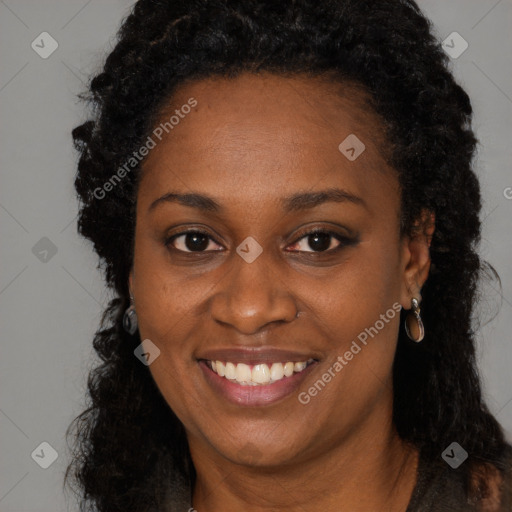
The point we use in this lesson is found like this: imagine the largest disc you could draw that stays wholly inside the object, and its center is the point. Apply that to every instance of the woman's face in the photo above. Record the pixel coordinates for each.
(258, 162)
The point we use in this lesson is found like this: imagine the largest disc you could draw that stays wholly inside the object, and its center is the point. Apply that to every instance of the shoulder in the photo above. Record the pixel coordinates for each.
(441, 488)
(491, 488)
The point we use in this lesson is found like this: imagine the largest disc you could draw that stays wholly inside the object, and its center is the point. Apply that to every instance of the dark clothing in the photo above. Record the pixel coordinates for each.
(439, 488)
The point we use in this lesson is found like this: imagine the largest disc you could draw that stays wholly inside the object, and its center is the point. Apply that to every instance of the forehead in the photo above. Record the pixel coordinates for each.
(264, 134)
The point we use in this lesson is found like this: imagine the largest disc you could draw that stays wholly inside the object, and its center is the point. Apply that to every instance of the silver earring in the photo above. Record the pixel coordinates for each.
(130, 323)
(413, 323)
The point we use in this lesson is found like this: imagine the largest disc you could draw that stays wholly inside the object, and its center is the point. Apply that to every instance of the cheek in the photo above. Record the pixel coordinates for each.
(356, 312)
(168, 309)
(353, 295)
(167, 297)
(168, 305)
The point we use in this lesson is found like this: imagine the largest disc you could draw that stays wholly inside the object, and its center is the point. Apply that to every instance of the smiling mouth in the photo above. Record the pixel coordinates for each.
(258, 374)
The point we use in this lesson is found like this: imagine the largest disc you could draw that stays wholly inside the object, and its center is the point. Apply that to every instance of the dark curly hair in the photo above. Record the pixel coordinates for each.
(128, 444)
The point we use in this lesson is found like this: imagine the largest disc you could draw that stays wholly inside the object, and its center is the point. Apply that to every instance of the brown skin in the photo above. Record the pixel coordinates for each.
(250, 142)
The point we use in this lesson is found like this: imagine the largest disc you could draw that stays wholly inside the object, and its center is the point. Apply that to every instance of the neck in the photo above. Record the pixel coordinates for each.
(371, 469)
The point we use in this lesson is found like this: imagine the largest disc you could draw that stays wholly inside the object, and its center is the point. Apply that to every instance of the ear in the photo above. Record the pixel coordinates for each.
(416, 258)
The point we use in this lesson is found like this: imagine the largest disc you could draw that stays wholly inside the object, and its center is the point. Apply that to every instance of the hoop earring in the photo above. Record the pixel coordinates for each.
(130, 322)
(413, 323)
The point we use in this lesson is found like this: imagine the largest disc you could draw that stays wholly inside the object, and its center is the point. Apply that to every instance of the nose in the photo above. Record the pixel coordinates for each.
(252, 296)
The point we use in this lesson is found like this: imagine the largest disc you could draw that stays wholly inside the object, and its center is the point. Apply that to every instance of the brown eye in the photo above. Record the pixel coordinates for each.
(320, 241)
(190, 241)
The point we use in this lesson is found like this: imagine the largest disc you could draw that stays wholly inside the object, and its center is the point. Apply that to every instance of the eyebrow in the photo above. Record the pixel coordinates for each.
(296, 202)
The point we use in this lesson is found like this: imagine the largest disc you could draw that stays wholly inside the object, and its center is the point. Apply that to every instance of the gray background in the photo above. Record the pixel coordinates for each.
(50, 309)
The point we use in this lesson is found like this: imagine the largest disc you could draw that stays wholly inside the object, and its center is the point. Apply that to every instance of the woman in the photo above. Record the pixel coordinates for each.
(283, 199)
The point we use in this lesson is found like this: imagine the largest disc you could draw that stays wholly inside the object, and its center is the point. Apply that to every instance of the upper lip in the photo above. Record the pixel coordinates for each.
(252, 356)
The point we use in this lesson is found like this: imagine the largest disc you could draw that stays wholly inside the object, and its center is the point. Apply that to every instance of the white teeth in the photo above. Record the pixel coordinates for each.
(221, 369)
(288, 369)
(260, 374)
(243, 372)
(298, 367)
(230, 372)
(276, 371)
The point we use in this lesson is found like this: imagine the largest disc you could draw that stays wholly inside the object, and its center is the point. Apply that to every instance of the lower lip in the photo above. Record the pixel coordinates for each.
(254, 395)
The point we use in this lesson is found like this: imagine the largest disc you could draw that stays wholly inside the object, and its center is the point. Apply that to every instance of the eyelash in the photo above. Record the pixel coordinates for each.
(343, 240)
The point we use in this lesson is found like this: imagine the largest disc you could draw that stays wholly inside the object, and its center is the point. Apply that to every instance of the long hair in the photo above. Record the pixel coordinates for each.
(128, 443)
